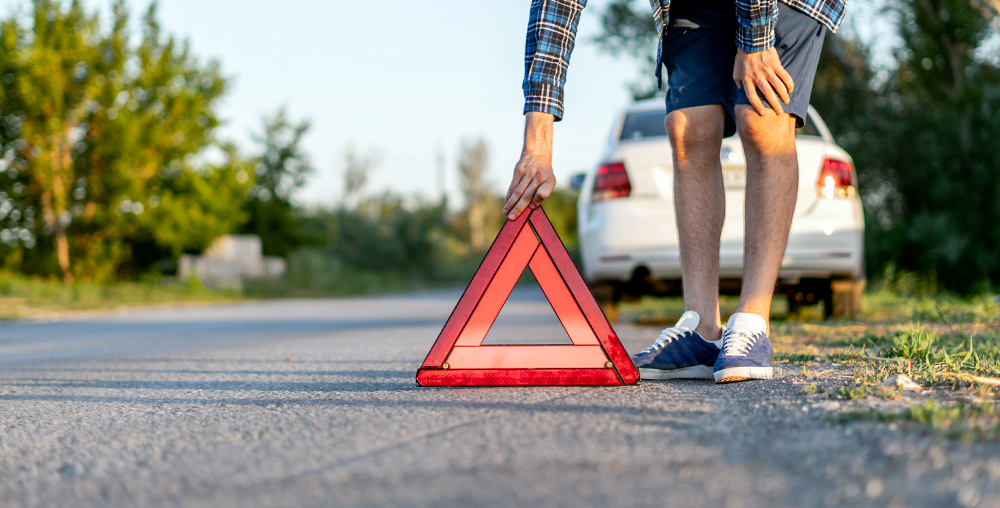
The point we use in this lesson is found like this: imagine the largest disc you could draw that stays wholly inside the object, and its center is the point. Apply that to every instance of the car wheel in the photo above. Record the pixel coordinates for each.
(844, 299)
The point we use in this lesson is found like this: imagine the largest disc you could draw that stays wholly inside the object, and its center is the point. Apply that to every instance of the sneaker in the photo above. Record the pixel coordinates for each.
(746, 350)
(679, 353)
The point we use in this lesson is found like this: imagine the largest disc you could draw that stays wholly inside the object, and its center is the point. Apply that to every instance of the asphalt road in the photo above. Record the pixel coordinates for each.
(313, 403)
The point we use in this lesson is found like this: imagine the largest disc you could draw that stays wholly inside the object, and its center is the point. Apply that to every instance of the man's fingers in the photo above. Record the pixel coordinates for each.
(779, 86)
(526, 199)
(751, 90)
(543, 192)
(518, 176)
(771, 97)
(517, 189)
(785, 77)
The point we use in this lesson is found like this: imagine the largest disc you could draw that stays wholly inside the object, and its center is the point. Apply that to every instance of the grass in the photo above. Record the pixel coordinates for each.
(812, 389)
(886, 305)
(22, 297)
(962, 421)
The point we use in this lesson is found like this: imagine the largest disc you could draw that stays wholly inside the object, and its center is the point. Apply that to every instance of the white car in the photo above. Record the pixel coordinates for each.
(628, 232)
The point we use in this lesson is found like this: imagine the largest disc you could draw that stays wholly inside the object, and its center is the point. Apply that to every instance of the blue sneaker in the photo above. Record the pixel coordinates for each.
(746, 350)
(679, 353)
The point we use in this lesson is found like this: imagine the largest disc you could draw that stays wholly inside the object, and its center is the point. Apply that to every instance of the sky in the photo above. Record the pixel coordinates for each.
(401, 80)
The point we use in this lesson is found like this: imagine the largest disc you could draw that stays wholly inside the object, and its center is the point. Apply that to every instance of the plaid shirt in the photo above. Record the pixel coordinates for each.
(552, 28)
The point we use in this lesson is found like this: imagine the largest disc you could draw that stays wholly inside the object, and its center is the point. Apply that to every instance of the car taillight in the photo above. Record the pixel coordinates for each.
(611, 182)
(836, 180)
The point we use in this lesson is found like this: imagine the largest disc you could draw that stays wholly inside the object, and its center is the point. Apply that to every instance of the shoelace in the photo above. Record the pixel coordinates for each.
(667, 335)
(738, 342)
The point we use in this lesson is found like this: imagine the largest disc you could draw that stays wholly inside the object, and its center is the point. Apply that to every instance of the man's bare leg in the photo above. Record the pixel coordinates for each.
(772, 186)
(700, 204)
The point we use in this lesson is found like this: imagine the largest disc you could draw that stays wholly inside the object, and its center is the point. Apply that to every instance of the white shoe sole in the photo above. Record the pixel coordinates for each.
(736, 374)
(694, 372)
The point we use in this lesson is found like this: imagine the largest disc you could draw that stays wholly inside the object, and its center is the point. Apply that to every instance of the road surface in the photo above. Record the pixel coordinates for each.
(313, 403)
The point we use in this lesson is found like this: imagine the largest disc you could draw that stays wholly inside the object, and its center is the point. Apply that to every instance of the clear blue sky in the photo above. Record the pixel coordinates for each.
(395, 78)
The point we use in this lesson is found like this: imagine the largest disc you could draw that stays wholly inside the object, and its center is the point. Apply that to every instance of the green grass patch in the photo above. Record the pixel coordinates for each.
(26, 296)
(935, 357)
(960, 421)
(887, 305)
(812, 389)
(794, 357)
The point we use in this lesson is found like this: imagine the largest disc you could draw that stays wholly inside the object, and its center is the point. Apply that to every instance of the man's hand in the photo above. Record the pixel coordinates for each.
(764, 71)
(533, 179)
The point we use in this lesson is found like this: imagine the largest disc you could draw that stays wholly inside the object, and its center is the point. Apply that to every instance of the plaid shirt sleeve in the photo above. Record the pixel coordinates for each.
(756, 24)
(552, 28)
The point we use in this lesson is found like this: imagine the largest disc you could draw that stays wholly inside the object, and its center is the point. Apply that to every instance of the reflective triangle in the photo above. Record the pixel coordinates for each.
(459, 358)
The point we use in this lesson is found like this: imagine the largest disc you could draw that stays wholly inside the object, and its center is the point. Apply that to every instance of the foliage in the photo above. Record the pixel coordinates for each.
(22, 296)
(97, 131)
(917, 134)
(194, 208)
(628, 29)
(357, 169)
(907, 295)
(384, 234)
(388, 242)
(560, 207)
(384, 243)
(280, 169)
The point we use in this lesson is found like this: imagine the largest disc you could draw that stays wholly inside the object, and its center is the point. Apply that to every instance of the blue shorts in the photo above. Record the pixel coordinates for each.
(699, 51)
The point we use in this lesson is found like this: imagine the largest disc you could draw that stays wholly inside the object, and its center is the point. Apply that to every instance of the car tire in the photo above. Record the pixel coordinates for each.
(844, 299)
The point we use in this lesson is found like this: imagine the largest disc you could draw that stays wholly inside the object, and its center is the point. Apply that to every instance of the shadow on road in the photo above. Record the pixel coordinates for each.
(671, 417)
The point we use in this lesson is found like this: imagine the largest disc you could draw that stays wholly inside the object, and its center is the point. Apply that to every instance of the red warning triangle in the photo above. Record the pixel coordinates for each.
(596, 356)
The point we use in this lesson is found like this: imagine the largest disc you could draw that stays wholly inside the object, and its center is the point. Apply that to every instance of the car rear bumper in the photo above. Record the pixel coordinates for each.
(826, 241)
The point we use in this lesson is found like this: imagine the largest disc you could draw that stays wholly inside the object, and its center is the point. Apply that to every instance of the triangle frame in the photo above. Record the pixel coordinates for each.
(596, 356)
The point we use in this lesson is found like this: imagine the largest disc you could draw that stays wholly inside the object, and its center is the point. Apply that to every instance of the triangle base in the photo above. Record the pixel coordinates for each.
(518, 377)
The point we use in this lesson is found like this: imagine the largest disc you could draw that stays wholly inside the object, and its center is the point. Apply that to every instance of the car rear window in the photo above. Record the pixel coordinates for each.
(643, 124)
(809, 129)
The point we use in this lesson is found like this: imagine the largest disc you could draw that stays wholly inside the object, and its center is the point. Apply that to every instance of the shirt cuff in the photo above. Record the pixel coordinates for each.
(544, 98)
(754, 39)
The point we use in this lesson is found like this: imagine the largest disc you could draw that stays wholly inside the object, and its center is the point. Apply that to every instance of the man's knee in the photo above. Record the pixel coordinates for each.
(695, 131)
(765, 133)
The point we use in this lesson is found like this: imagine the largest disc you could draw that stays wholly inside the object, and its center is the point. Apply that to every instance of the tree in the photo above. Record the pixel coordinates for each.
(95, 128)
(473, 161)
(946, 102)
(357, 169)
(47, 92)
(281, 168)
(628, 28)
(198, 206)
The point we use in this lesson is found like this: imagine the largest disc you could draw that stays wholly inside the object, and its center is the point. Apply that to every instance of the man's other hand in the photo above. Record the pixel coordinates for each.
(533, 178)
(763, 71)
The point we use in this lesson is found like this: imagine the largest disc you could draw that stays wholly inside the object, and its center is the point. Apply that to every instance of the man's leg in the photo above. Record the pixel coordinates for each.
(772, 186)
(700, 204)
